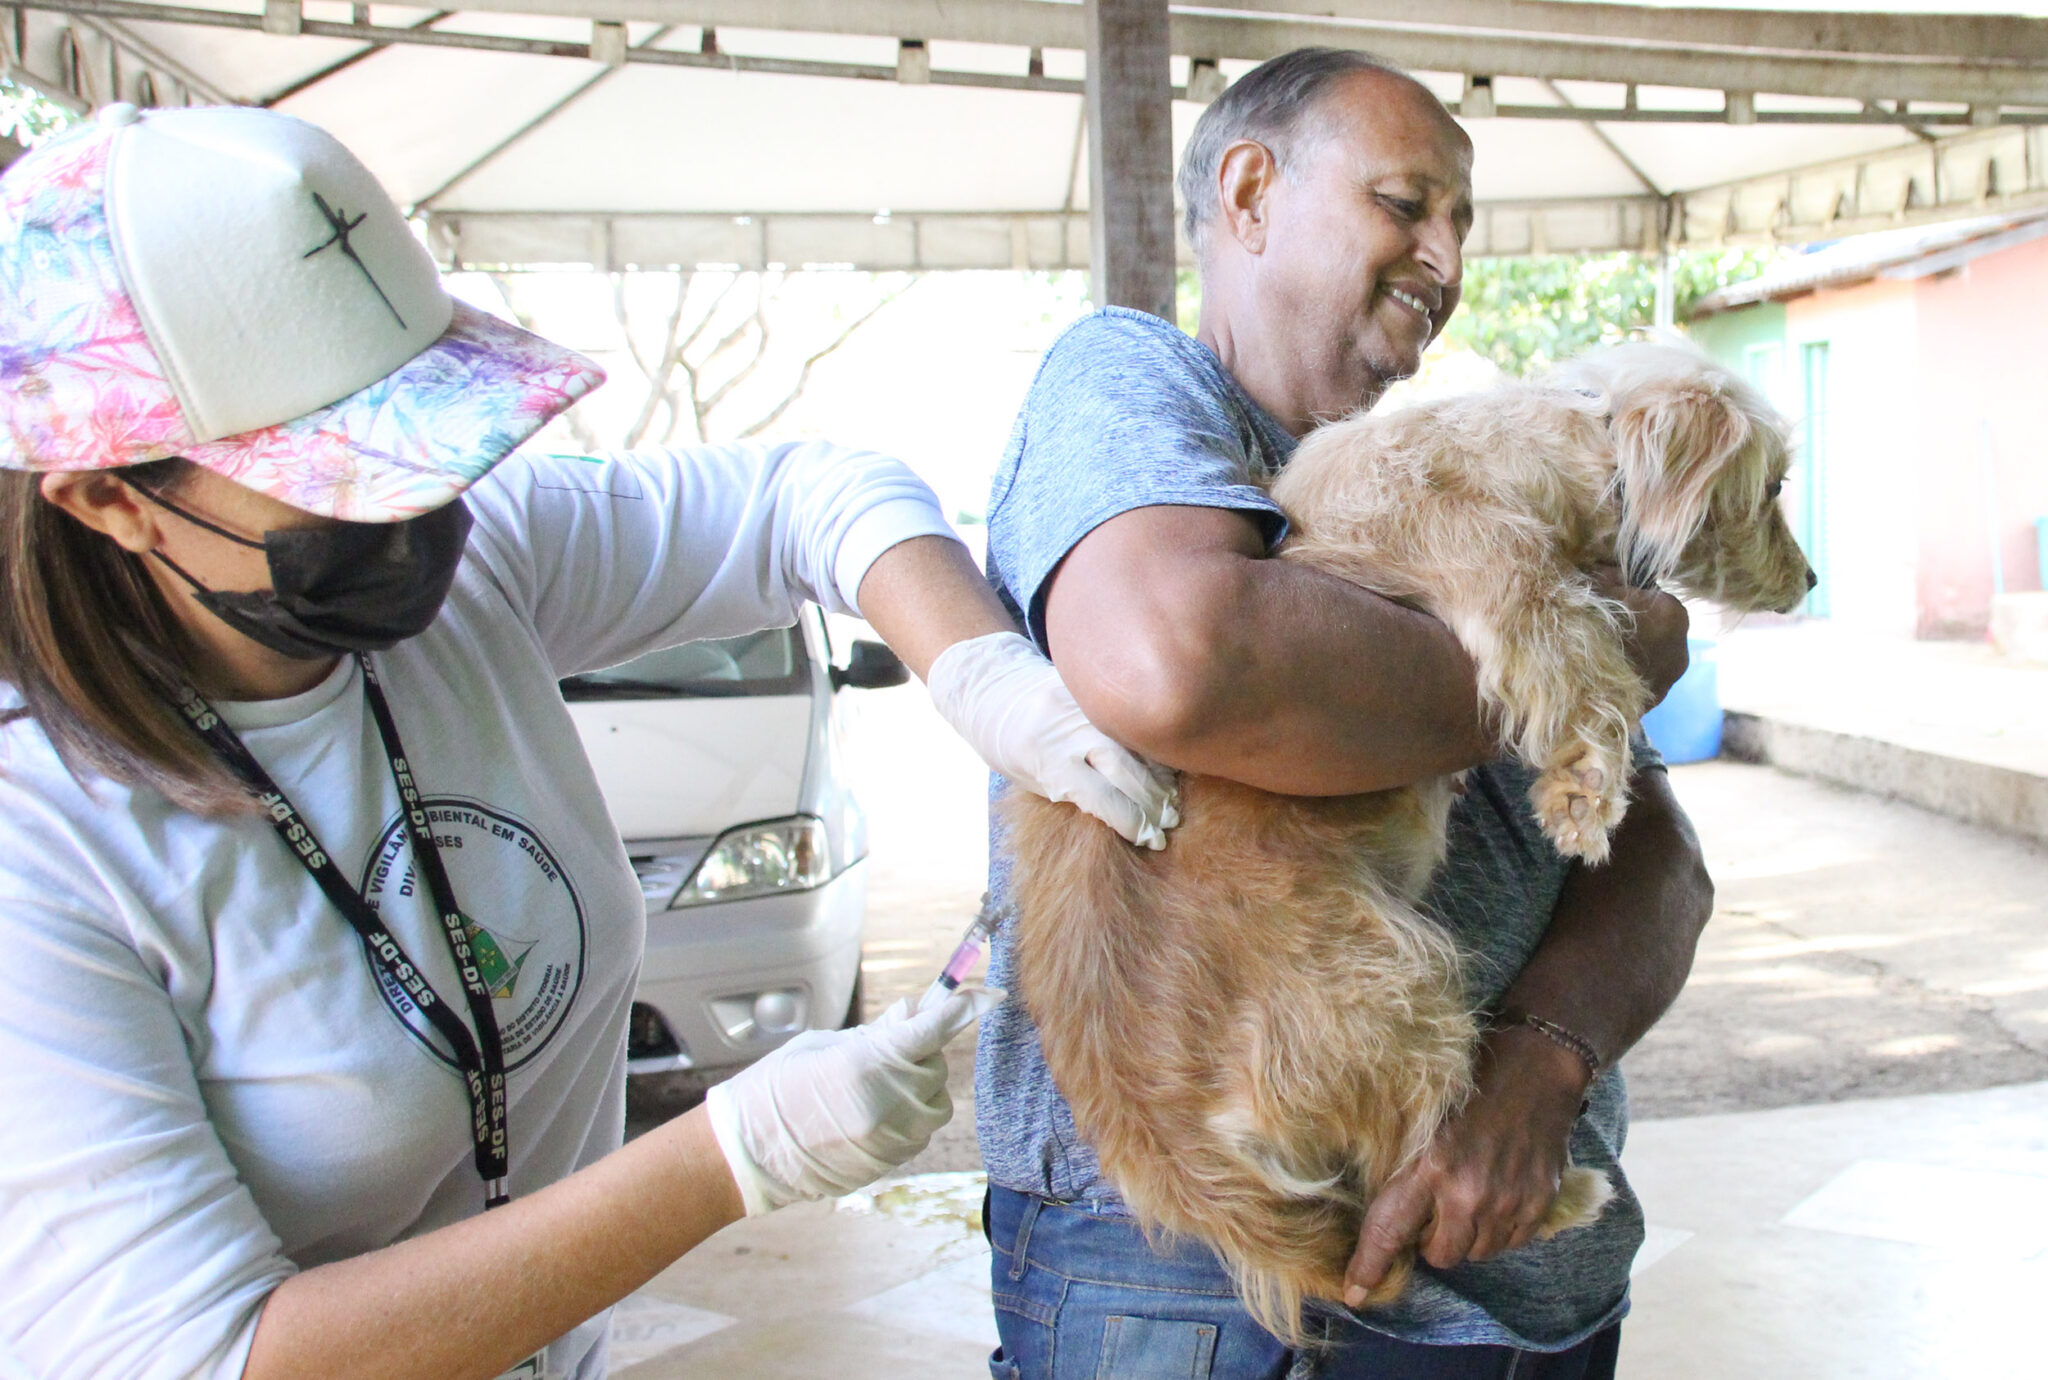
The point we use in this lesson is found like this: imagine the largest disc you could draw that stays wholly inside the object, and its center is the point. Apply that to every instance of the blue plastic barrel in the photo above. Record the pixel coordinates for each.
(1686, 727)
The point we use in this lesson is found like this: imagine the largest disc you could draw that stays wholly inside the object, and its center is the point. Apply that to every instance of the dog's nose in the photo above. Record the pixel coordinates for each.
(1811, 578)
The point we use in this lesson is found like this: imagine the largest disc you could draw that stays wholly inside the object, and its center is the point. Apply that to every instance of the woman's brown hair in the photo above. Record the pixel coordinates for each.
(82, 624)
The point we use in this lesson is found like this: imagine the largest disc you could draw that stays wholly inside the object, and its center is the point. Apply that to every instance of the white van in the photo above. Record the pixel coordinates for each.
(724, 769)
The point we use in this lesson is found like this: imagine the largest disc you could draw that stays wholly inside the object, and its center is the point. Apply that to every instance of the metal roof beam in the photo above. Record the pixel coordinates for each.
(1917, 121)
(1985, 85)
(575, 94)
(929, 241)
(1838, 32)
(1983, 173)
(312, 79)
(150, 56)
(1607, 142)
(1985, 58)
(923, 242)
(499, 43)
(932, 241)
(1586, 58)
(1037, 23)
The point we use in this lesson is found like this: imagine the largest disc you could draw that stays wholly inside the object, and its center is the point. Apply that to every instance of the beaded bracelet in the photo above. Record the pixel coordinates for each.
(1555, 1033)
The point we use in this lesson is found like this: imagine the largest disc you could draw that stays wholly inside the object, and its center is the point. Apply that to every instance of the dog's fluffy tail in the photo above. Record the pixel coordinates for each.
(1318, 1061)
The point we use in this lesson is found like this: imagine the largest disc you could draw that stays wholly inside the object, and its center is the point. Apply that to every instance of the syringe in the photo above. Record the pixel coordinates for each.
(972, 944)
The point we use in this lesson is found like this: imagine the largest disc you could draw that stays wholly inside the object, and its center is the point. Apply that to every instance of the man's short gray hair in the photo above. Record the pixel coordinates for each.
(1267, 104)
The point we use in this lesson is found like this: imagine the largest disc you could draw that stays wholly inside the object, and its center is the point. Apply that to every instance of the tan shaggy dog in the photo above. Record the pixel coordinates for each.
(1257, 1027)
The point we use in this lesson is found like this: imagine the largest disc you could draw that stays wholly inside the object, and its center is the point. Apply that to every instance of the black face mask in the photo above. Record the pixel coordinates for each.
(350, 587)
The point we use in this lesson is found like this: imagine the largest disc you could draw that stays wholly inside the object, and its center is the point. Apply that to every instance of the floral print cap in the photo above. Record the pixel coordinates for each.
(83, 385)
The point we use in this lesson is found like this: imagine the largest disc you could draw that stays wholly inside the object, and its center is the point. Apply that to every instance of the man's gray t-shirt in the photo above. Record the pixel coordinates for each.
(1128, 412)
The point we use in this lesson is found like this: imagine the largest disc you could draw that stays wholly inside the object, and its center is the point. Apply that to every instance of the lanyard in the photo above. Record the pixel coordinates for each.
(482, 1057)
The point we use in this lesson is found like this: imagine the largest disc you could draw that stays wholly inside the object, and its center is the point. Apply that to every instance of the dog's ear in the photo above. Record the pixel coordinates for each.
(1673, 439)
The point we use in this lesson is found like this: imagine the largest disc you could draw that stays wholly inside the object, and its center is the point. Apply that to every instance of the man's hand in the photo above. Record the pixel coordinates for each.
(1656, 642)
(1487, 1181)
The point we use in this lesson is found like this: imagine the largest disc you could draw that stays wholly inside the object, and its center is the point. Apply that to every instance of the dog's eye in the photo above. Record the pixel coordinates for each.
(1776, 486)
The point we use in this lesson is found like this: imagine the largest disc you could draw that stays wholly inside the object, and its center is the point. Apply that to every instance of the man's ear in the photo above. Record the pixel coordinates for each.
(105, 504)
(1245, 177)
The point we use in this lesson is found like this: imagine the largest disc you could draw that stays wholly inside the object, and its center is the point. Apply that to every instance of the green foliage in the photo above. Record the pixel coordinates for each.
(26, 117)
(1526, 314)
(1187, 299)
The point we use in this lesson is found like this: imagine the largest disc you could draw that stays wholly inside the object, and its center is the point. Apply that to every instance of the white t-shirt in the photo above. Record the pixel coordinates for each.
(203, 1085)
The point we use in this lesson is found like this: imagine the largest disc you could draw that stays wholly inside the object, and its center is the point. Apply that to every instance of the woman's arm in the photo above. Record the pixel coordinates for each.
(475, 1298)
(822, 1115)
(925, 594)
(622, 554)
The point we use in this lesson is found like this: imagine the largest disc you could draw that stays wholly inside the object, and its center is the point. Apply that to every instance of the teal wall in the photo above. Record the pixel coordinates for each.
(1728, 335)
(1751, 341)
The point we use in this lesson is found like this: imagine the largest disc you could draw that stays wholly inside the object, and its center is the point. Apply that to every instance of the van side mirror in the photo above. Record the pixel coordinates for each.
(870, 666)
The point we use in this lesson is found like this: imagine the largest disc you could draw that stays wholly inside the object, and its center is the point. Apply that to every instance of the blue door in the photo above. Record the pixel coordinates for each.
(1810, 472)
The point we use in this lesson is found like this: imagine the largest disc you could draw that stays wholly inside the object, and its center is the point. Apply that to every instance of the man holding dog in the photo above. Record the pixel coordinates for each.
(1328, 198)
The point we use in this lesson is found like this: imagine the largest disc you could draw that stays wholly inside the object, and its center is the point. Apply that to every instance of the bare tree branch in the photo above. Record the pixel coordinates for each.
(745, 371)
(658, 378)
(623, 317)
(710, 315)
(692, 372)
(803, 376)
(727, 341)
(700, 406)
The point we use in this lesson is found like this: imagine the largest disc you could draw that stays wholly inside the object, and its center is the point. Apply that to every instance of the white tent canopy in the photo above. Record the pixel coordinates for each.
(921, 134)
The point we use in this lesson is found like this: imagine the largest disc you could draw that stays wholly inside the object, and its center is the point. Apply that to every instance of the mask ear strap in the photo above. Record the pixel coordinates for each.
(180, 570)
(193, 518)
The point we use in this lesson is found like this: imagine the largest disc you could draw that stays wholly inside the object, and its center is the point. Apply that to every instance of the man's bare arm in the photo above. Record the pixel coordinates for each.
(1621, 941)
(1618, 949)
(1182, 641)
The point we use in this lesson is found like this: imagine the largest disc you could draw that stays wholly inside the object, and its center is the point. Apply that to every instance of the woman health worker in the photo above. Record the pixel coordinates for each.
(286, 787)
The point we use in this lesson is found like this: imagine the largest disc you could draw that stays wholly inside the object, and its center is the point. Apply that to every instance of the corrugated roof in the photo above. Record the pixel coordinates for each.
(1917, 251)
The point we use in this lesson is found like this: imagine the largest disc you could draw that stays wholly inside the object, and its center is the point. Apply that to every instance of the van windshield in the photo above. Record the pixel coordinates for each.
(762, 663)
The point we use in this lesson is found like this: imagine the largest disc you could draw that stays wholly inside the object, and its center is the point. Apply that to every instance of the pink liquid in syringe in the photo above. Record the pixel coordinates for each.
(962, 963)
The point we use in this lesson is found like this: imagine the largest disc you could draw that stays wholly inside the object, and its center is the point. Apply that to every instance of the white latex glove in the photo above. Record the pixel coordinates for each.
(1005, 698)
(835, 1109)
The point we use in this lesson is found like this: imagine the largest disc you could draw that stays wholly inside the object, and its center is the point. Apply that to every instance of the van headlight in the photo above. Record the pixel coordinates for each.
(760, 860)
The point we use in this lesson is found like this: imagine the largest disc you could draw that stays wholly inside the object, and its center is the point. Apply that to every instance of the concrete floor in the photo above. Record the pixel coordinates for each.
(1823, 1201)
(1892, 1239)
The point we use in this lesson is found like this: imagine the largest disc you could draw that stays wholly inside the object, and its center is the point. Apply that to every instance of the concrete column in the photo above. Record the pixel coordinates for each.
(1130, 156)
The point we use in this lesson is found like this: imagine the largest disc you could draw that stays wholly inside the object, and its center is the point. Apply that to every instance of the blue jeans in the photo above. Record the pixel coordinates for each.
(1082, 1296)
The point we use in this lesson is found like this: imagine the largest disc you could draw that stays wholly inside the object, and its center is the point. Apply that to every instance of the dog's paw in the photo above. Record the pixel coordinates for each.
(1582, 1195)
(1579, 804)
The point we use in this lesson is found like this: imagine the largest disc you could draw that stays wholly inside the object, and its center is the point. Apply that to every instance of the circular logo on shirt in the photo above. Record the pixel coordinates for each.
(522, 917)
